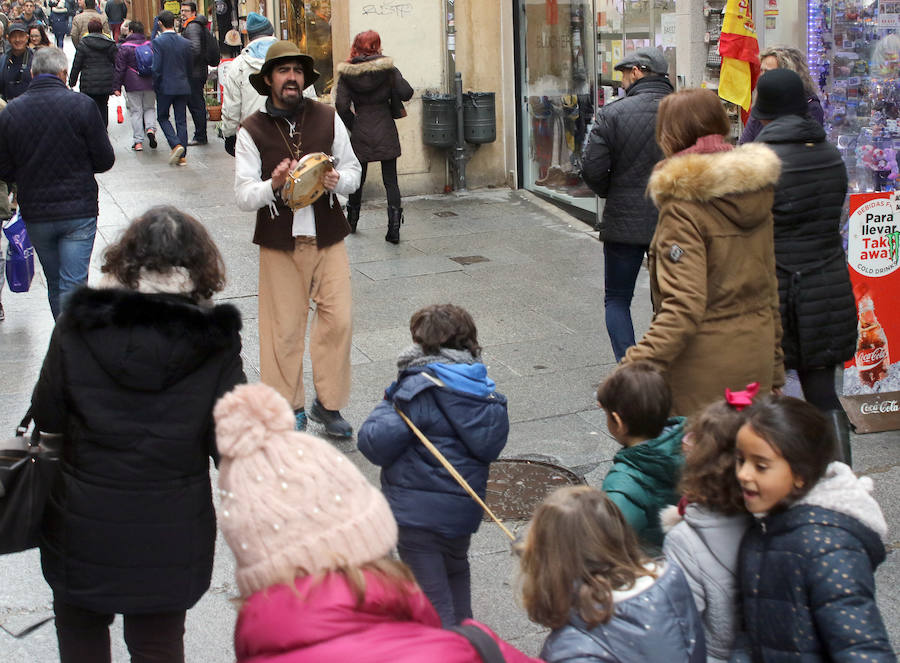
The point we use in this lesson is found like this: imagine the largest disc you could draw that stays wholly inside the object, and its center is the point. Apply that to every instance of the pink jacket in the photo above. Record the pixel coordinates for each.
(321, 622)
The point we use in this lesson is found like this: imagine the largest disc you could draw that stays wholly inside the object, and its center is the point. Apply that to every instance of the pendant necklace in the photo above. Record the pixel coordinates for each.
(293, 149)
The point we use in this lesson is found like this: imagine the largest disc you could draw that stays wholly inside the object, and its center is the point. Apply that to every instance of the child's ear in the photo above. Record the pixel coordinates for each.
(620, 425)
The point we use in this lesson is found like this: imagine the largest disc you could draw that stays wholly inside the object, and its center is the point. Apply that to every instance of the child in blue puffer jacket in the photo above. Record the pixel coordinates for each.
(444, 389)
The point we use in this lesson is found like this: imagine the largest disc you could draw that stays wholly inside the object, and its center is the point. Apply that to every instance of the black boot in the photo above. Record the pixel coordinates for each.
(841, 426)
(395, 218)
(352, 216)
(334, 423)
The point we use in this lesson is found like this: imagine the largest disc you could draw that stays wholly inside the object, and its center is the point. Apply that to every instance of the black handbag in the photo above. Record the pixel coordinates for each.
(28, 468)
(397, 108)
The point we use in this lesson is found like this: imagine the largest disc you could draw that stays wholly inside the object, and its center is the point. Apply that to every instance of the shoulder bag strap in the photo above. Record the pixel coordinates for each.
(485, 645)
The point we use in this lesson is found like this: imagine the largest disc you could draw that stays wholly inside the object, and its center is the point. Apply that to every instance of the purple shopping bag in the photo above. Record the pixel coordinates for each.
(19, 255)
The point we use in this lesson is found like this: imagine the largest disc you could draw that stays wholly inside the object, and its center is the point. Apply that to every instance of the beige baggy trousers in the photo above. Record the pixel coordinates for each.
(288, 280)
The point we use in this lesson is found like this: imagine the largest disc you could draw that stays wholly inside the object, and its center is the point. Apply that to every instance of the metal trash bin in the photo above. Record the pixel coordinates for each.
(439, 120)
(479, 117)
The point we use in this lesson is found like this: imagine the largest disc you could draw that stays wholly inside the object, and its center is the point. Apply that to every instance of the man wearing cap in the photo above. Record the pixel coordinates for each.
(618, 157)
(239, 98)
(15, 70)
(301, 253)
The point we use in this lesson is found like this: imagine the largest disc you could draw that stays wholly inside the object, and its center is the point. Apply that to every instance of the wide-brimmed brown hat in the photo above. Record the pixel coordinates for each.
(279, 51)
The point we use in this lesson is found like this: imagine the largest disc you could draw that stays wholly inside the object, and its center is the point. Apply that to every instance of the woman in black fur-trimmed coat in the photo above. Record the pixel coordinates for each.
(818, 310)
(368, 80)
(130, 379)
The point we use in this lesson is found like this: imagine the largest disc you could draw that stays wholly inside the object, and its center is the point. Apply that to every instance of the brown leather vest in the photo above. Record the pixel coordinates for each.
(317, 136)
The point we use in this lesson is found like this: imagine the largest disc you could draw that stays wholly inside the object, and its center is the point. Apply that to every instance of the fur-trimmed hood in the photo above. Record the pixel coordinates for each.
(148, 341)
(705, 177)
(367, 74)
(842, 491)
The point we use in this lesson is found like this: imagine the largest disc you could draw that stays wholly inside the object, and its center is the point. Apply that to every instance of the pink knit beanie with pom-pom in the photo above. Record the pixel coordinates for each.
(291, 505)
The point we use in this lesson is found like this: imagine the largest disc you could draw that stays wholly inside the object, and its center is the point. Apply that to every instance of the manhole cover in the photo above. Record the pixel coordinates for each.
(516, 486)
(469, 260)
(446, 212)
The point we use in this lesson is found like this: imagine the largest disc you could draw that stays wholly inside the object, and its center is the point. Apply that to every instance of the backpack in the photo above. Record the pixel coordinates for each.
(143, 56)
(210, 48)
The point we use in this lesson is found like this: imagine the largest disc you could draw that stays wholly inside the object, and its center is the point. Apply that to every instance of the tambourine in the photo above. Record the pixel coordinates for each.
(304, 185)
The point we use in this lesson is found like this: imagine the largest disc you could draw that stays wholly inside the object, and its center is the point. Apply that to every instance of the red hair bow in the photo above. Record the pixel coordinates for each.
(741, 399)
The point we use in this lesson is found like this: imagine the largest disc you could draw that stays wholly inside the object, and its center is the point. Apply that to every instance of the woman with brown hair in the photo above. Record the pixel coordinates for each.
(130, 379)
(712, 259)
(584, 576)
(375, 88)
(37, 37)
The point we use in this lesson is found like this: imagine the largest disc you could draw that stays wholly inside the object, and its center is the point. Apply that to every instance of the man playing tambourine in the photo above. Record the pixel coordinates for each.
(301, 252)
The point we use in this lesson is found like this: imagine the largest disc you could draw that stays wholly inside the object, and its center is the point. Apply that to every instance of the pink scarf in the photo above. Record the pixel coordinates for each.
(707, 145)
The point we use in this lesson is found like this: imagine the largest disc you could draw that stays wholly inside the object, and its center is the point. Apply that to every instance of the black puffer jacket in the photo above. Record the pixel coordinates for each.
(131, 380)
(366, 84)
(95, 61)
(621, 151)
(52, 141)
(197, 33)
(818, 312)
(806, 576)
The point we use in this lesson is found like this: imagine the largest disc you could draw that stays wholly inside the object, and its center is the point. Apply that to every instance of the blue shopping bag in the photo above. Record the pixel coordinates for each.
(19, 255)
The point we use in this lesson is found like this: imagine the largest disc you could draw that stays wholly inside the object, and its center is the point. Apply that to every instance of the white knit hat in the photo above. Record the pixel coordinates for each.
(291, 505)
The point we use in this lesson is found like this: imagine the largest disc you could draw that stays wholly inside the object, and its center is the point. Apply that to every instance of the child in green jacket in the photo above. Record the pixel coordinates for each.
(645, 472)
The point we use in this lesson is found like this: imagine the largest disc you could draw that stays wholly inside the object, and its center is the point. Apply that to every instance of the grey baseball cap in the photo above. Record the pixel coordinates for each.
(645, 59)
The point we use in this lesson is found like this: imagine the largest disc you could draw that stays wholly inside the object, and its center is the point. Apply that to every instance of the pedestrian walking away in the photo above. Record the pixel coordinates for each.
(302, 255)
(95, 64)
(60, 212)
(138, 84)
(130, 527)
(312, 541)
(370, 83)
(171, 81)
(80, 22)
(621, 151)
(116, 13)
(59, 20)
(712, 260)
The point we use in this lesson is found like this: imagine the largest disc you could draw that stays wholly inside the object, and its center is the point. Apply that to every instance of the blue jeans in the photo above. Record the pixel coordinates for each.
(441, 567)
(179, 103)
(622, 263)
(64, 249)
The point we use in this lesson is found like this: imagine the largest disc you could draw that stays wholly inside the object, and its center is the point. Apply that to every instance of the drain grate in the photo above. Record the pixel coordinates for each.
(446, 212)
(516, 486)
(469, 260)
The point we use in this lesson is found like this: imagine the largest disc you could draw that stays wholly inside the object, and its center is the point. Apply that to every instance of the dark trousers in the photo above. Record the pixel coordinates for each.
(178, 135)
(818, 387)
(197, 106)
(441, 567)
(84, 635)
(102, 101)
(621, 264)
(388, 178)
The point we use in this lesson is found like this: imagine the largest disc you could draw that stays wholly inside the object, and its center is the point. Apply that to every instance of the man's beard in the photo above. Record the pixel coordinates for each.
(291, 102)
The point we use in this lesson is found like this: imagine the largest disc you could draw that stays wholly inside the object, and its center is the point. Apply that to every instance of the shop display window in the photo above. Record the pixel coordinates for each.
(854, 56)
(307, 23)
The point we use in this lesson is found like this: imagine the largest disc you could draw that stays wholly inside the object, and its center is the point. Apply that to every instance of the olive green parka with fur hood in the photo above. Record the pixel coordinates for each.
(712, 276)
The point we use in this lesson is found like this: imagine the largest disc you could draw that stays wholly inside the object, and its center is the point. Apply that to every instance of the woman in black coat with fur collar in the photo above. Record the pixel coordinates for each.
(375, 87)
(130, 379)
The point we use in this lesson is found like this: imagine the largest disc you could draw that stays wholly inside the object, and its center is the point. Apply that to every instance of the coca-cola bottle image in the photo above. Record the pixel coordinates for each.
(872, 358)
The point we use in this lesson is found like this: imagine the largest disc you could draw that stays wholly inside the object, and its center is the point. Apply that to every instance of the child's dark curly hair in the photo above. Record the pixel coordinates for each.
(707, 477)
(163, 238)
(444, 326)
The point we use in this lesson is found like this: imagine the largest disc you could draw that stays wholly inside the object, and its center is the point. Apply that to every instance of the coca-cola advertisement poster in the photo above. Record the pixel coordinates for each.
(872, 377)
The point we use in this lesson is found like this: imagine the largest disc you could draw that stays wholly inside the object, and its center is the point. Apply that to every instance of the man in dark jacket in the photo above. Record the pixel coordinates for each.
(15, 70)
(171, 80)
(60, 211)
(620, 153)
(194, 30)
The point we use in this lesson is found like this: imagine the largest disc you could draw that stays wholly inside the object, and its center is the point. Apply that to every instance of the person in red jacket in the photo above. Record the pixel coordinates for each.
(312, 540)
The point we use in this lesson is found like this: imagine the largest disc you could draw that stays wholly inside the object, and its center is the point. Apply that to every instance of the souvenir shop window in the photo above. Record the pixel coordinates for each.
(559, 98)
(854, 57)
(307, 23)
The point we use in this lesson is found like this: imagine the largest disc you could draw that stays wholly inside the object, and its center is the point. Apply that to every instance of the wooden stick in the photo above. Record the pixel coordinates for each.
(452, 470)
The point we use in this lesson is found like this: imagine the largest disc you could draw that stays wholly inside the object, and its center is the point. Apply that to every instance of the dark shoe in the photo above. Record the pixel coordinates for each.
(196, 142)
(395, 218)
(300, 419)
(334, 423)
(841, 426)
(2, 313)
(151, 138)
(352, 216)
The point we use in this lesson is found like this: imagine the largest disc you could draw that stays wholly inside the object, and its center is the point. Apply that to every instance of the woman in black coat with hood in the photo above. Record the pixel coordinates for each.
(375, 88)
(130, 379)
(818, 310)
(95, 61)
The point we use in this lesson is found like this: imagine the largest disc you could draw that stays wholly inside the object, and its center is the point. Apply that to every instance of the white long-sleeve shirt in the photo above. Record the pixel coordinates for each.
(252, 192)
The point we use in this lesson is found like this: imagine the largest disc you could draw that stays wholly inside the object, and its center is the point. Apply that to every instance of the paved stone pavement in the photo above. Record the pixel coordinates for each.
(531, 276)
